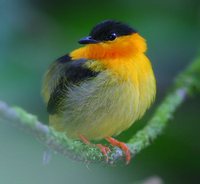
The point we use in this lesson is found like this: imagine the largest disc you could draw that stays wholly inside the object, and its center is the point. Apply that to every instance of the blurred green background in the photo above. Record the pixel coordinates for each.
(33, 33)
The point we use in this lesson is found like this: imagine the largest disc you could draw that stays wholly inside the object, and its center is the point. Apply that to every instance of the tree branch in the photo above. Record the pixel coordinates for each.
(188, 82)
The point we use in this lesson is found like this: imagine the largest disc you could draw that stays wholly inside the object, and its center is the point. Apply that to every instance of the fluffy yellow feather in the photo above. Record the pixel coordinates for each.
(117, 87)
(111, 102)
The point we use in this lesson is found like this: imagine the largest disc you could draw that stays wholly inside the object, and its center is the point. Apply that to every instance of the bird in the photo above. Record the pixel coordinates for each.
(99, 90)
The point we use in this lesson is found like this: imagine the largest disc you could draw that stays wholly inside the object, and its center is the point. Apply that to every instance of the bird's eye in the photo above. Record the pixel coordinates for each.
(112, 36)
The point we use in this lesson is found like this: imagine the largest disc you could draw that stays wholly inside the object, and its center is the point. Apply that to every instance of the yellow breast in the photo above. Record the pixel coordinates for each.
(125, 59)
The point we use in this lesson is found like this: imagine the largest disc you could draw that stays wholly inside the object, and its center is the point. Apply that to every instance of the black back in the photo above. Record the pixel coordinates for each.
(74, 73)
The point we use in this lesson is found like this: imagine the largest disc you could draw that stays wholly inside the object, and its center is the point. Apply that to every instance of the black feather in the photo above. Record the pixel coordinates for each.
(56, 98)
(74, 73)
(63, 59)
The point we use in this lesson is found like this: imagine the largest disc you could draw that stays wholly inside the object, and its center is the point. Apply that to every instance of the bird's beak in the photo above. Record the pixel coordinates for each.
(87, 40)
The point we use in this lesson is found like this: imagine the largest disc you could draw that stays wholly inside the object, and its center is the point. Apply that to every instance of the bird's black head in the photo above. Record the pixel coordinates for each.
(107, 31)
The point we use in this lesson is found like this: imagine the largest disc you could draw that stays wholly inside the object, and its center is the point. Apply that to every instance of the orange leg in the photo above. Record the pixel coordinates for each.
(104, 149)
(121, 145)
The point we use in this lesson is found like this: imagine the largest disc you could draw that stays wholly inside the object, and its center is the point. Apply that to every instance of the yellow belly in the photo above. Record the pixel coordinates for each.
(104, 112)
(106, 105)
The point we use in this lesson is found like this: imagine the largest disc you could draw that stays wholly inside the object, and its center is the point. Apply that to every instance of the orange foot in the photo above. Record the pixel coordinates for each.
(104, 149)
(121, 145)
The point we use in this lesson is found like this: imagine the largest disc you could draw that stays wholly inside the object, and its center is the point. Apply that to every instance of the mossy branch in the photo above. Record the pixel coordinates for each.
(188, 82)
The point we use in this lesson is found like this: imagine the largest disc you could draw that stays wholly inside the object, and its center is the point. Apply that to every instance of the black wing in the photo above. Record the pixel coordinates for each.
(71, 72)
